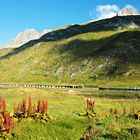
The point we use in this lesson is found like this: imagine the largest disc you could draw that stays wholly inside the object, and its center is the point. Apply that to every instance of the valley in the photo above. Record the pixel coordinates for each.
(79, 81)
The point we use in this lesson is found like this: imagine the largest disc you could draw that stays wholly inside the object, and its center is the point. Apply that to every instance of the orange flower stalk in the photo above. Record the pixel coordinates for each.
(7, 122)
(29, 105)
(34, 108)
(24, 108)
(90, 104)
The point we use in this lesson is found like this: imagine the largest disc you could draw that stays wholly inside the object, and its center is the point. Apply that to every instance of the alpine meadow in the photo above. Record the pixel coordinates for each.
(74, 82)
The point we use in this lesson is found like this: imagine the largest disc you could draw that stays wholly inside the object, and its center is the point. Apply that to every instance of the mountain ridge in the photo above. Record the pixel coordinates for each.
(117, 22)
(32, 34)
(24, 37)
(91, 53)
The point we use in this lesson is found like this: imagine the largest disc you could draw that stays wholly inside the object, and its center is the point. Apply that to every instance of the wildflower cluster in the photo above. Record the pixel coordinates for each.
(90, 105)
(6, 121)
(26, 109)
(129, 113)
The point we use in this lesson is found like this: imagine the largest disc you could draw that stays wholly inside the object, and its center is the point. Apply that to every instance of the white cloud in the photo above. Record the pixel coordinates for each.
(106, 11)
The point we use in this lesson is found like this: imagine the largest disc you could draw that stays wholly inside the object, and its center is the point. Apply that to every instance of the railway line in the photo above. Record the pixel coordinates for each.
(136, 89)
(40, 86)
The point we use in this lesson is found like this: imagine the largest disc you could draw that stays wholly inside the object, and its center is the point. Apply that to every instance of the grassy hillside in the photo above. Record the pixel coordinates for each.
(5, 51)
(91, 53)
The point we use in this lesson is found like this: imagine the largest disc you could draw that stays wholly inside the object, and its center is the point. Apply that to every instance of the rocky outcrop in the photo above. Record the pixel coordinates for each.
(24, 37)
(128, 11)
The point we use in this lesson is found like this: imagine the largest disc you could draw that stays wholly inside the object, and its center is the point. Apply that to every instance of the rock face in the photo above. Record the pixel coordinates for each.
(128, 11)
(24, 37)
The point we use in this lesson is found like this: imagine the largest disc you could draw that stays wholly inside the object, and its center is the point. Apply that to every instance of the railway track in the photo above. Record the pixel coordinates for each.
(71, 87)
(40, 86)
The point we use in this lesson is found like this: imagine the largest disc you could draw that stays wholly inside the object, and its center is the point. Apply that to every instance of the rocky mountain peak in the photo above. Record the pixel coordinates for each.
(128, 11)
(24, 37)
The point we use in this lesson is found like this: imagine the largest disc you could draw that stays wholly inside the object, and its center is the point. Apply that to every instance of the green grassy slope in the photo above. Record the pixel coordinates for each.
(5, 51)
(77, 54)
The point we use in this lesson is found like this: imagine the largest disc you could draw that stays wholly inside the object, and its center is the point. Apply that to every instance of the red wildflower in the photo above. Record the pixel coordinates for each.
(4, 105)
(12, 121)
(39, 106)
(7, 122)
(29, 105)
(1, 103)
(46, 107)
(43, 106)
(34, 108)
(24, 108)
(90, 104)
(1, 121)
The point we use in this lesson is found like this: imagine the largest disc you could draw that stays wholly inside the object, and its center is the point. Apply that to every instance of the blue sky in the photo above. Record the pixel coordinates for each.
(17, 15)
